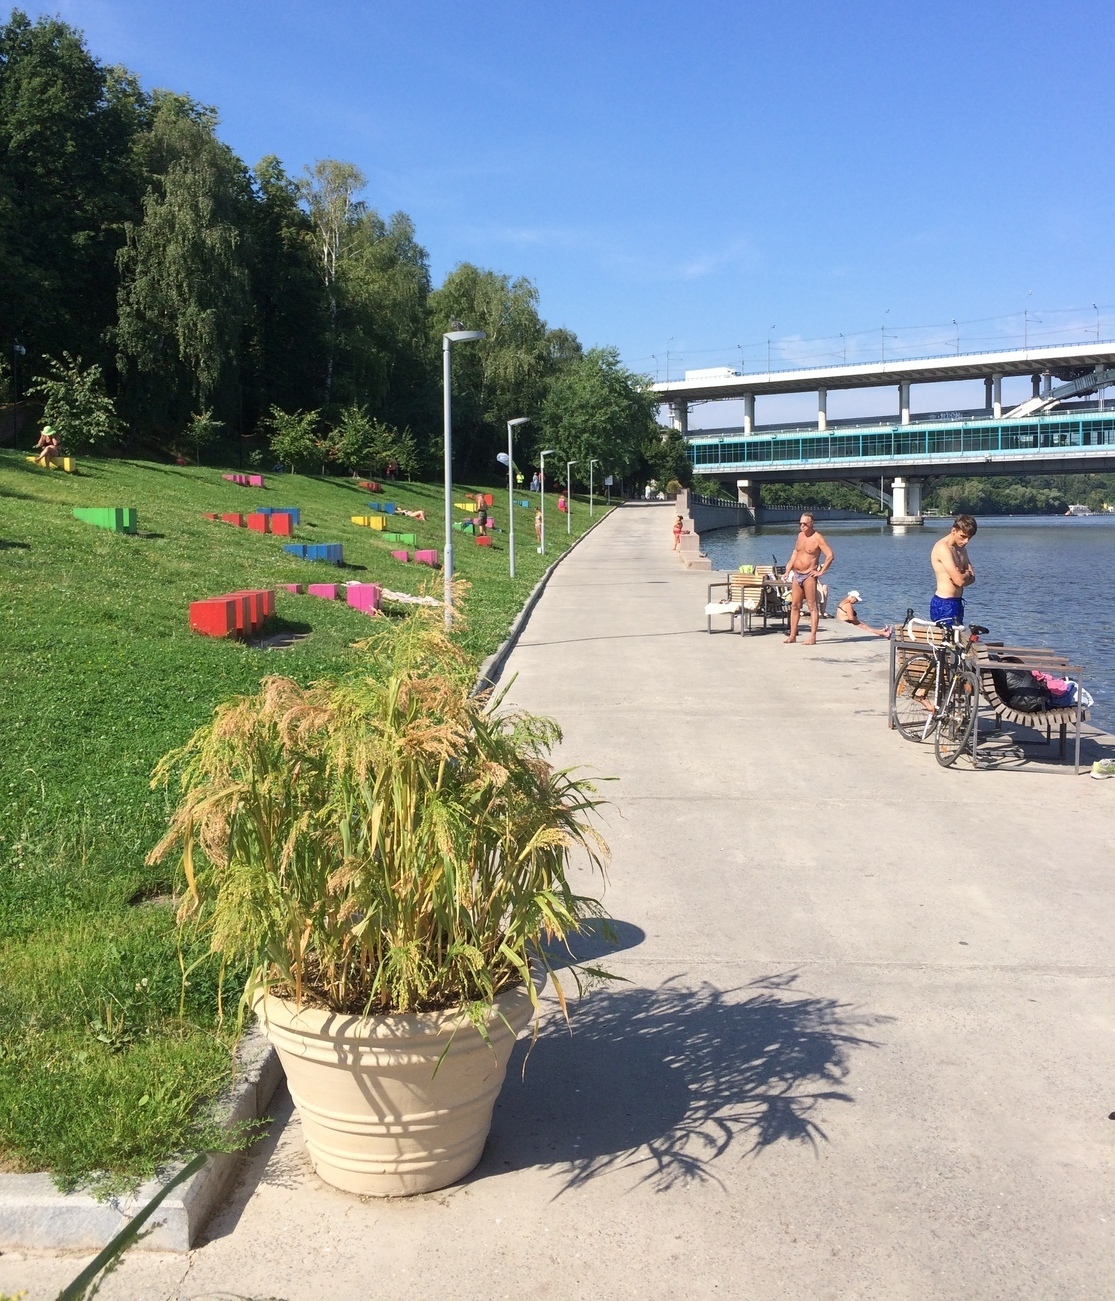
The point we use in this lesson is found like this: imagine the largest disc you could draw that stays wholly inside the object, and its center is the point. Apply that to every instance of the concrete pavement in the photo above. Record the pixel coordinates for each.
(864, 1049)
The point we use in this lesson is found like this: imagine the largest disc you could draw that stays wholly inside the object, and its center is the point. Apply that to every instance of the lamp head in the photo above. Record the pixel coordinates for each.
(463, 336)
(519, 420)
(548, 452)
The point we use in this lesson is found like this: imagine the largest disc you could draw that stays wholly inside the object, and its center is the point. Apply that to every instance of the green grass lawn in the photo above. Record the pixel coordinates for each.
(104, 1058)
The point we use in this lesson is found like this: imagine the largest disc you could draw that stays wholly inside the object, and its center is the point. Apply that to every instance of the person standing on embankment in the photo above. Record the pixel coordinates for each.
(953, 571)
(803, 572)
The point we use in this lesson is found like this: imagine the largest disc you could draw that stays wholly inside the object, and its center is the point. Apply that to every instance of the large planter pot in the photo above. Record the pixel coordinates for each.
(379, 1115)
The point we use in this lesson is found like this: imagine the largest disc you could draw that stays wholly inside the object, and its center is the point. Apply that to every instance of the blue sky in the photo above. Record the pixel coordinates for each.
(695, 179)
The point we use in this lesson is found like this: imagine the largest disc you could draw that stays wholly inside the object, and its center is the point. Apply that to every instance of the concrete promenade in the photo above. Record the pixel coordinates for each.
(865, 1047)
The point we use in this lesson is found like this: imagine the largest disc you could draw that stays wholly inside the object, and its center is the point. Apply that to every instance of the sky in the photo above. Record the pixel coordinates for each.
(696, 183)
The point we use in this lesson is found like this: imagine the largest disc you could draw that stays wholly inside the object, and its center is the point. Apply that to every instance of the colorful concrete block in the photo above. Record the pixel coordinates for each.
(362, 520)
(489, 522)
(483, 540)
(489, 500)
(404, 556)
(117, 519)
(364, 596)
(370, 485)
(327, 591)
(330, 552)
(237, 521)
(259, 523)
(426, 558)
(215, 617)
(282, 525)
(464, 505)
(255, 480)
(377, 522)
(523, 502)
(209, 514)
(296, 588)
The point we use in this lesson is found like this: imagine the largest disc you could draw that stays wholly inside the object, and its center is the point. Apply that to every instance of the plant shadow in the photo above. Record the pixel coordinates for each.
(12, 546)
(663, 1083)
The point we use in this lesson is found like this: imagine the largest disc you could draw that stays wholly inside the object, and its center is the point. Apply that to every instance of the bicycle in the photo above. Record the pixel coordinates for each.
(936, 689)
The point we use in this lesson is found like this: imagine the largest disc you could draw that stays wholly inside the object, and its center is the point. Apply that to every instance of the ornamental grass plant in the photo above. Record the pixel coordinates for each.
(387, 842)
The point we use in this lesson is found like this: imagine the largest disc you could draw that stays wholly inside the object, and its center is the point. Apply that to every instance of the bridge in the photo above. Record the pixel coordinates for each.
(1051, 432)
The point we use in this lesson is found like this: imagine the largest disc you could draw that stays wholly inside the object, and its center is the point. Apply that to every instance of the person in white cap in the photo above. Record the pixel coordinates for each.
(846, 611)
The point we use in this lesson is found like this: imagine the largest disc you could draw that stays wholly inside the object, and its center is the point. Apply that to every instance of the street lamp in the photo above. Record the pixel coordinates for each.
(447, 341)
(519, 420)
(568, 498)
(542, 492)
(595, 461)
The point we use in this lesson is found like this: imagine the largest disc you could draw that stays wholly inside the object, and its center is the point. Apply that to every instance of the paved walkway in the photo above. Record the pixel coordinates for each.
(865, 1050)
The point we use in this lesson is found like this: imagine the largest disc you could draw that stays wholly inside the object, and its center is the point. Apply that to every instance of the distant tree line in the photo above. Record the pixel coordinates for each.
(992, 495)
(193, 302)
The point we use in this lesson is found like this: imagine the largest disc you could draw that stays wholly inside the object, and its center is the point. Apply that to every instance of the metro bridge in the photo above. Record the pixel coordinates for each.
(1048, 433)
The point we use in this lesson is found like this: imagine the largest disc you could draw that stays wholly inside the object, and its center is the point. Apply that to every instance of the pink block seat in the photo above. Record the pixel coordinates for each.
(296, 588)
(327, 591)
(255, 480)
(364, 596)
(404, 556)
(426, 558)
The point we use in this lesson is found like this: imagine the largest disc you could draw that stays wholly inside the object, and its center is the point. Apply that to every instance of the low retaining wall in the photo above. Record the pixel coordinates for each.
(703, 515)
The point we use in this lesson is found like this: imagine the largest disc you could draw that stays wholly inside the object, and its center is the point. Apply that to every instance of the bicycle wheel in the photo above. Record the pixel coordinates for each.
(957, 718)
(915, 694)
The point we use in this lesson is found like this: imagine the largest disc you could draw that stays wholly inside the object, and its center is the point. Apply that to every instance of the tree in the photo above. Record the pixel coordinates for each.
(184, 284)
(598, 408)
(76, 404)
(294, 436)
(364, 444)
(328, 189)
(68, 182)
(510, 372)
(202, 431)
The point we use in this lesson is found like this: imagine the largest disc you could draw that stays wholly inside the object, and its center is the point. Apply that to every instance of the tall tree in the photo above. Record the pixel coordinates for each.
(598, 408)
(184, 283)
(510, 372)
(328, 189)
(68, 182)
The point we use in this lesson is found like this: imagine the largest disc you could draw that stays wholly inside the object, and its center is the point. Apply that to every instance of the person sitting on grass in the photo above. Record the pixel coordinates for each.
(846, 611)
(48, 448)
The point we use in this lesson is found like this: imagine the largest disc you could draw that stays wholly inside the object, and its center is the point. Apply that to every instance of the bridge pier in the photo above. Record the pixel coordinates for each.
(997, 396)
(681, 418)
(749, 494)
(906, 499)
(748, 413)
(904, 401)
(822, 408)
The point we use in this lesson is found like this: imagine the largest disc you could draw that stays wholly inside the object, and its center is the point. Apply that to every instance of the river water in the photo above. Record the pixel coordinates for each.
(1041, 580)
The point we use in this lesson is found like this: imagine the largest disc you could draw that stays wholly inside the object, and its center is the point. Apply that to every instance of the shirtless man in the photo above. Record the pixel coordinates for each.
(953, 571)
(803, 572)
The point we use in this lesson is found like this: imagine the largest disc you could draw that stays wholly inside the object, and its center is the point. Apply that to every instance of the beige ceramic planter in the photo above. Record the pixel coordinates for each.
(375, 1116)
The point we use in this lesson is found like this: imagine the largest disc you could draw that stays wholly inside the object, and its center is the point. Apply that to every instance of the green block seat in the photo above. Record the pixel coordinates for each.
(117, 519)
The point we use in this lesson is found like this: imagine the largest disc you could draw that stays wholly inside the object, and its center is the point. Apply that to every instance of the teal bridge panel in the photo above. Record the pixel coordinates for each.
(1052, 438)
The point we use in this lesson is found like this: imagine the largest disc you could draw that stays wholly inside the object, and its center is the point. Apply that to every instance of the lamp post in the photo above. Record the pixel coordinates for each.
(447, 341)
(568, 497)
(519, 420)
(595, 461)
(542, 491)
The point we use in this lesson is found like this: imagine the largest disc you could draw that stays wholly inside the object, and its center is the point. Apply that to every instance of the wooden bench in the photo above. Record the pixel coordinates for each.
(747, 595)
(1044, 660)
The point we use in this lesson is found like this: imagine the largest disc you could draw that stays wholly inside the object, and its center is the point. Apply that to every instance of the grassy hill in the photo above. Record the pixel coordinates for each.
(103, 1055)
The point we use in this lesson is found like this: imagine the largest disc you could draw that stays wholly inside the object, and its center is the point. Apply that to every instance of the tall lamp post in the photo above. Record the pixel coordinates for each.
(595, 461)
(447, 341)
(568, 497)
(542, 491)
(519, 420)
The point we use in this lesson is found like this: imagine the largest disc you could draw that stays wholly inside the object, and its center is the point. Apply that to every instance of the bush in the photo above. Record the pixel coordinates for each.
(77, 406)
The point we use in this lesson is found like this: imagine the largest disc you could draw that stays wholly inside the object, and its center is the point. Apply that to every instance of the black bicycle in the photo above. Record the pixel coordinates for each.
(936, 687)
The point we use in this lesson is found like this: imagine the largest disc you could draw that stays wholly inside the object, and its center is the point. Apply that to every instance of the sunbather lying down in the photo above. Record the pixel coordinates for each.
(846, 611)
(411, 514)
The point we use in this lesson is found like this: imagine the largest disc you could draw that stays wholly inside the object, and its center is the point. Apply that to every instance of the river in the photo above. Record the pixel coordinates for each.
(1041, 580)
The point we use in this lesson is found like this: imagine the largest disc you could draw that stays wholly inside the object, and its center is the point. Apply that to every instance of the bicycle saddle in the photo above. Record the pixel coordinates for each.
(977, 628)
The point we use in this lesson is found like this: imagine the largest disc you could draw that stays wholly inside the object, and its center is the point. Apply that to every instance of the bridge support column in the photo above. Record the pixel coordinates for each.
(748, 413)
(906, 501)
(1035, 385)
(987, 397)
(904, 401)
(681, 418)
(822, 408)
(749, 494)
(1046, 384)
(997, 396)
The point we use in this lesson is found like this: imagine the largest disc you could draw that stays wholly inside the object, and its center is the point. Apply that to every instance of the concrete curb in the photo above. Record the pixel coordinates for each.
(34, 1214)
(493, 666)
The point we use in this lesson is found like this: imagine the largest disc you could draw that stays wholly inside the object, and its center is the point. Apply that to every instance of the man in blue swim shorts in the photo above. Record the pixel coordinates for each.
(953, 571)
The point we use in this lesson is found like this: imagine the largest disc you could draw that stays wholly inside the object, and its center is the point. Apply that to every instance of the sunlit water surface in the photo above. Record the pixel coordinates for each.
(1041, 581)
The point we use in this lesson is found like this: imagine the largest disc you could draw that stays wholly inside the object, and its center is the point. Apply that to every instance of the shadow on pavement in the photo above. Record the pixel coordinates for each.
(664, 1082)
